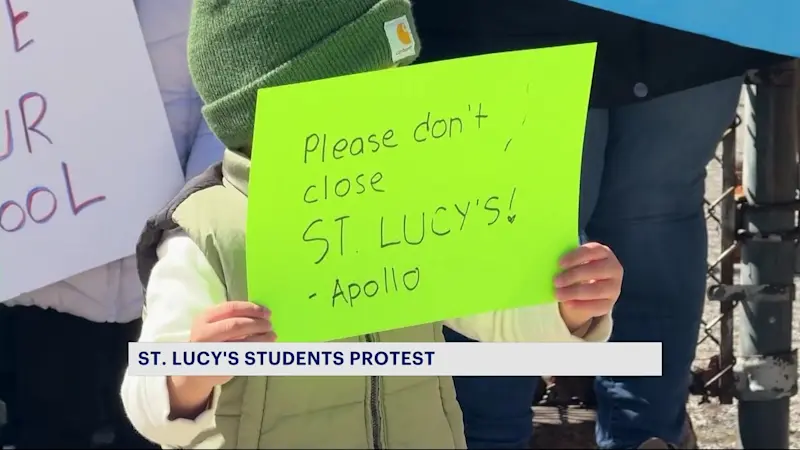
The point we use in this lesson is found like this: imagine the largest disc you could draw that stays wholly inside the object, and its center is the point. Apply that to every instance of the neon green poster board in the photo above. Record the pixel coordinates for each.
(417, 194)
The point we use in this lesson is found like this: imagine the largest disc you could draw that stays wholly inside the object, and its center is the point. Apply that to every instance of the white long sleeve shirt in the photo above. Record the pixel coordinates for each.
(183, 285)
(112, 292)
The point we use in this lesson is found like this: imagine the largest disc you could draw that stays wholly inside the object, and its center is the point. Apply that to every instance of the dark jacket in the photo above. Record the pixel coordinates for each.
(636, 60)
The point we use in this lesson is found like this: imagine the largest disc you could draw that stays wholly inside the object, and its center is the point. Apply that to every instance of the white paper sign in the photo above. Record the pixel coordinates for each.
(86, 154)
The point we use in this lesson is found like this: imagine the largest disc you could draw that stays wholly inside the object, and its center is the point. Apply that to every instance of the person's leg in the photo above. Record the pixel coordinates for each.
(60, 369)
(650, 213)
(498, 410)
(125, 436)
(7, 382)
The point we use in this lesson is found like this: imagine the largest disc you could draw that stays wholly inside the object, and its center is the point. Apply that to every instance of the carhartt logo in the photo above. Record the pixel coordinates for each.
(401, 39)
(403, 34)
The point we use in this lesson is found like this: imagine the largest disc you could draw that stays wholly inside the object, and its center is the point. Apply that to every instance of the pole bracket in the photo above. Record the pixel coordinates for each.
(752, 293)
(760, 378)
(746, 209)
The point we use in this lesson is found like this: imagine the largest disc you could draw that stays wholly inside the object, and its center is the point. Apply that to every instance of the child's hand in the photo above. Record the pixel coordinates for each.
(589, 285)
(226, 322)
(232, 322)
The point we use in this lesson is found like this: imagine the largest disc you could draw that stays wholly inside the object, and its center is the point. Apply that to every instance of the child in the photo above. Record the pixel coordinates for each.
(192, 258)
(63, 398)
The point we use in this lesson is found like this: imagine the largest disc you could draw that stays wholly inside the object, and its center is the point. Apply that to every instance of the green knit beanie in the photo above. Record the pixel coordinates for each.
(239, 46)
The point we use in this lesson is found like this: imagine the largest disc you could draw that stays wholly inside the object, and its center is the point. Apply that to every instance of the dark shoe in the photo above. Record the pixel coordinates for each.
(656, 444)
(688, 440)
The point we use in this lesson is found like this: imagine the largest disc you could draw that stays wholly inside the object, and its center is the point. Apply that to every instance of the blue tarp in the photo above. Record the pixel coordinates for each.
(772, 25)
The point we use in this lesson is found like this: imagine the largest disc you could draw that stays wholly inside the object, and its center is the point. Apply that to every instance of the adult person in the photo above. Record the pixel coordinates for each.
(62, 398)
(661, 100)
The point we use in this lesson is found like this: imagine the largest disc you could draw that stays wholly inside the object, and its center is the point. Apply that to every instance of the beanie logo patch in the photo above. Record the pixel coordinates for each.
(401, 39)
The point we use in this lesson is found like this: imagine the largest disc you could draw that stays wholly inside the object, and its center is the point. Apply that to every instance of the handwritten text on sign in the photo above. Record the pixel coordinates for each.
(85, 150)
(408, 196)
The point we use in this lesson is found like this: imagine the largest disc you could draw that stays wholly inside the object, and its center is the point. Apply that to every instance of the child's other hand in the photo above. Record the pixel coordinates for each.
(589, 284)
(227, 322)
(233, 321)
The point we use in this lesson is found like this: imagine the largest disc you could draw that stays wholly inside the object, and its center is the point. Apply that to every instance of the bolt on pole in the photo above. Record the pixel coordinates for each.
(766, 373)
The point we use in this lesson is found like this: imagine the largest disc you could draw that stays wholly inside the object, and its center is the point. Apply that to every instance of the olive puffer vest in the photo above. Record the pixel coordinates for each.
(299, 412)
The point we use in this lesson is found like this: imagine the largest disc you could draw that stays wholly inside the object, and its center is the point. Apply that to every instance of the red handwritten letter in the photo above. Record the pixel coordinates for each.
(77, 207)
(15, 18)
(33, 126)
(9, 140)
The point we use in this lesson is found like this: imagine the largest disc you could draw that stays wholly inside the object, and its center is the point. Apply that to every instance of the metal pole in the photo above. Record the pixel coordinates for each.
(726, 268)
(766, 375)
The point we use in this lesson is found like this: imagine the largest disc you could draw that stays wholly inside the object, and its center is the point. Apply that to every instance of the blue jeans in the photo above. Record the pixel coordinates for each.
(642, 190)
